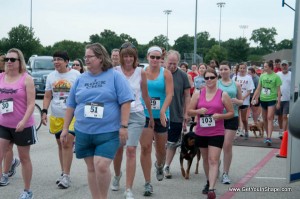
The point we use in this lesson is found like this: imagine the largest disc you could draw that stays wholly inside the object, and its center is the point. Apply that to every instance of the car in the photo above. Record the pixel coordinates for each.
(143, 65)
(39, 68)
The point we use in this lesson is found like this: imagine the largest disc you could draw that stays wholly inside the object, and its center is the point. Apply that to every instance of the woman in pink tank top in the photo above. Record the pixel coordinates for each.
(17, 99)
(208, 105)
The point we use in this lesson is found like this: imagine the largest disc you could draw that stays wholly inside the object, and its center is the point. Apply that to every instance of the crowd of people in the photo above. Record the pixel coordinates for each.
(111, 104)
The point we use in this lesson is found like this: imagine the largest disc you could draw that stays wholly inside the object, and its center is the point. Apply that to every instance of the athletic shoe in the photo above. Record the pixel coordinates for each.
(12, 170)
(246, 135)
(225, 179)
(205, 188)
(168, 174)
(65, 182)
(60, 178)
(269, 142)
(280, 135)
(115, 186)
(240, 133)
(26, 195)
(128, 194)
(211, 194)
(148, 189)
(4, 180)
(159, 172)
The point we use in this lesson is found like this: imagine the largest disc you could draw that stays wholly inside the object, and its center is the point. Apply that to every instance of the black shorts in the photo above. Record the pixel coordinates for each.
(25, 138)
(284, 108)
(257, 103)
(243, 107)
(205, 141)
(57, 135)
(174, 131)
(158, 127)
(265, 105)
(232, 123)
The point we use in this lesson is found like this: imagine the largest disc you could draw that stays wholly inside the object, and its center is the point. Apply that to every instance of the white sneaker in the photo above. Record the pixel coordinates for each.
(65, 182)
(115, 186)
(128, 194)
(225, 179)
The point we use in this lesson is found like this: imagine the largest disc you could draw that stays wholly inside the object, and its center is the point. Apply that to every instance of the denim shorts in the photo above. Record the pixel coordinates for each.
(89, 145)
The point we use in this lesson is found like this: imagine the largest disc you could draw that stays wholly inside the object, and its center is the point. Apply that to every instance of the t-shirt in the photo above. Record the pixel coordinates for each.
(269, 84)
(60, 85)
(193, 75)
(97, 100)
(247, 84)
(181, 82)
(285, 88)
(232, 91)
(255, 81)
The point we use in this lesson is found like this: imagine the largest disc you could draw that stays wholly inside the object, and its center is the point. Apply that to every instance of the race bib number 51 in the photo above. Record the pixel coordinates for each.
(6, 106)
(93, 110)
(207, 121)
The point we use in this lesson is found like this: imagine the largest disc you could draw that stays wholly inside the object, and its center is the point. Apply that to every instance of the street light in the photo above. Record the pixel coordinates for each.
(167, 12)
(195, 38)
(243, 27)
(30, 14)
(221, 5)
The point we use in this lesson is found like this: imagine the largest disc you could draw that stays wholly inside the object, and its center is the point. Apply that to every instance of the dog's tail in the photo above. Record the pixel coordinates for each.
(192, 125)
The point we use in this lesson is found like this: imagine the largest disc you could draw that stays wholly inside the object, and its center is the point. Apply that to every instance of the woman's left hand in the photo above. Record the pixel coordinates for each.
(163, 119)
(20, 126)
(123, 135)
(216, 116)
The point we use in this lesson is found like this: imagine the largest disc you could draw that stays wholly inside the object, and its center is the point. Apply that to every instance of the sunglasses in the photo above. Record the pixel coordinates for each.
(127, 45)
(10, 59)
(154, 57)
(76, 65)
(210, 77)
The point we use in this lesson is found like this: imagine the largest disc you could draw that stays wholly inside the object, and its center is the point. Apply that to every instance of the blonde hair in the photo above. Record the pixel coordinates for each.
(22, 65)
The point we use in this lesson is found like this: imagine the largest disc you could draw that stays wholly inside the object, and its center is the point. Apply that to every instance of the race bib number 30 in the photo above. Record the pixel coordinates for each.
(93, 110)
(207, 121)
(6, 106)
(155, 103)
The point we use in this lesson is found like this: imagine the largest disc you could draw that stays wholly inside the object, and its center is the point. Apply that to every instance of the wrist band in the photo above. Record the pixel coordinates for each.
(45, 111)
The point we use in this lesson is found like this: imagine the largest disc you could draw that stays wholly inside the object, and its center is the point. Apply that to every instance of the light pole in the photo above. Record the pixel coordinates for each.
(30, 14)
(167, 12)
(195, 39)
(243, 27)
(221, 5)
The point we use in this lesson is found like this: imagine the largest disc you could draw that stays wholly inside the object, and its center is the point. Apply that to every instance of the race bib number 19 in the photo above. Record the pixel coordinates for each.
(207, 121)
(6, 106)
(93, 110)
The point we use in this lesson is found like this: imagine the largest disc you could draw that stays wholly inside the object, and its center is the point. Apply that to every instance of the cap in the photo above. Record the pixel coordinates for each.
(285, 62)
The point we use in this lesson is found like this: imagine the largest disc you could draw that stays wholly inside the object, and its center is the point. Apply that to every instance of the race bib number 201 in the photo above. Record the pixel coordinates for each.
(207, 121)
(6, 106)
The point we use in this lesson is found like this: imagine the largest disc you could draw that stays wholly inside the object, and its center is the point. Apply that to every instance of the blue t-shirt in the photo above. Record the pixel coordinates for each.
(107, 90)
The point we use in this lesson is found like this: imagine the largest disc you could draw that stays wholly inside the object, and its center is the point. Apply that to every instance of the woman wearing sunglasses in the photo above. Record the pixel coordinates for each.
(160, 87)
(16, 115)
(208, 105)
(137, 79)
(78, 65)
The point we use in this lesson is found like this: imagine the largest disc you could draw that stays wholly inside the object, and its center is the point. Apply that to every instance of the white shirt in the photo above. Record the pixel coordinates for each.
(285, 87)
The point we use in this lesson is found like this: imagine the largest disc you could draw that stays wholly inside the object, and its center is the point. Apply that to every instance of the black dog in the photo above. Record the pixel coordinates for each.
(189, 151)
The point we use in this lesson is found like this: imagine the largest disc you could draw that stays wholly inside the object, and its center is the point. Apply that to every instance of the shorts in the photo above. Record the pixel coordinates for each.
(174, 131)
(135, 128)
(265, 105)
(232, 123)
(56, 125)
(255, 105)
(25, 138)
(90, 145)
(205, 141)
(158, 127)
(243, 107)
(284, 108)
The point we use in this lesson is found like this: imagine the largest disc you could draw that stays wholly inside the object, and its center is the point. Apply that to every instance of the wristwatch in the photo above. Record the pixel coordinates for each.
(124, 126)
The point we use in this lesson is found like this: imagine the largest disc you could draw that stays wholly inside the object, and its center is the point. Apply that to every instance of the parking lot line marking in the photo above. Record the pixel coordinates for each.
(271, 178)
(249, 175)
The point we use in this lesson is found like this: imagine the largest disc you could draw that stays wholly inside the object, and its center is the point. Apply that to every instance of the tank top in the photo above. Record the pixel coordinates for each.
(215, 105)
(231, 89)
(13, 95)
(157, 93)
(135, 84)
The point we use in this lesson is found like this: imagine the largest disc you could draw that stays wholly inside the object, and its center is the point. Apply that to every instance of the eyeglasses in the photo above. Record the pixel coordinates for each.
(154, 57)
(58, 59)
(11, 59)
(127, 45)
(75, 64)
(210, 77)
(88, 57)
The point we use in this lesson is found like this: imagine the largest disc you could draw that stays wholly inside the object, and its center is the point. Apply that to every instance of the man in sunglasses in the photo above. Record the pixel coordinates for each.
(178, 107)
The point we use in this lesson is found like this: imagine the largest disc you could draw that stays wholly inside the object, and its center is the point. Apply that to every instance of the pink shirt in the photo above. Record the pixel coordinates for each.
(15, 94)
(213, 106)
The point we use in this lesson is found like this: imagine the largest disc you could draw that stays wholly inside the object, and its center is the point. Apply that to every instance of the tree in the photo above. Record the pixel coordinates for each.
(284, 44)
(74, 49)
(238, 49)
(204, 43)
(184, 44)
(265, 37)
(217, 53)
(23, 38)
(159, 40)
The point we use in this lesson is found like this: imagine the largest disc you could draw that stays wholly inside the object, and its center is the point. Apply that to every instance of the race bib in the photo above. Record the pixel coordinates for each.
(6, 106)
(63, 101)
(155, 103)
(266, 91)
(93, 110)
(207, 121)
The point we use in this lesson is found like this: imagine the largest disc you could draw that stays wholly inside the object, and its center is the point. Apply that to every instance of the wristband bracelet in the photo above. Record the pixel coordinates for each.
(45, 111)
(124, 126)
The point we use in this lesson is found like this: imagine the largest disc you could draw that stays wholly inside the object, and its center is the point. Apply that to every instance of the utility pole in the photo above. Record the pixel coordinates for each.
(195, 38)
(221, 5)
(167, 12)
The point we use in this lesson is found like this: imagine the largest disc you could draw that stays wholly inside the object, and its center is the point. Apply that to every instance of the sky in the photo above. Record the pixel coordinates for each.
(76, 20)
